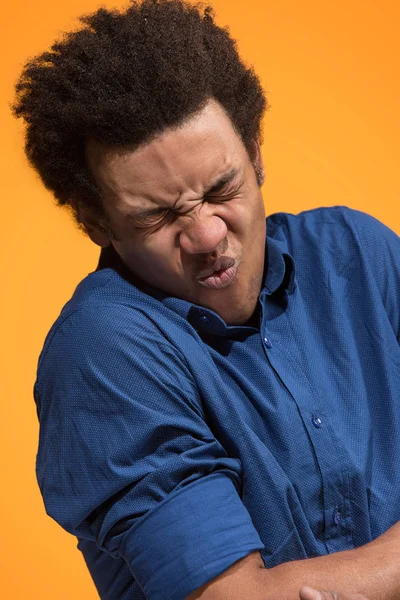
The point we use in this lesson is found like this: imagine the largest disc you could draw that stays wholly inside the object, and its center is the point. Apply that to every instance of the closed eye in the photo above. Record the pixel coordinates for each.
(148, 218)
(222, 197)
(157, 217)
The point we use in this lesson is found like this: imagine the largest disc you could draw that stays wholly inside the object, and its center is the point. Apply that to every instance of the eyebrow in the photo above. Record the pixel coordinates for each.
(212, 189)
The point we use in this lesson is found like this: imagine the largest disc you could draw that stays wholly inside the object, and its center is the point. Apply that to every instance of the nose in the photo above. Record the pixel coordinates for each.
(201, 234)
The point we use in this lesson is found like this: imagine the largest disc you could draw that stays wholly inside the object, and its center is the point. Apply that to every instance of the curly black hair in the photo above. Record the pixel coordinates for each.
(123, 78)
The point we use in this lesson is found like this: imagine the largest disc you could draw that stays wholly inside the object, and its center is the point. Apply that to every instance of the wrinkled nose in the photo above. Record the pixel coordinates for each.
(202, 234)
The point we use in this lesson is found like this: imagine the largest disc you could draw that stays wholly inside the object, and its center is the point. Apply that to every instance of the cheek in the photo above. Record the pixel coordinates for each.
(258, 214)
(250, 213)
(156, 254)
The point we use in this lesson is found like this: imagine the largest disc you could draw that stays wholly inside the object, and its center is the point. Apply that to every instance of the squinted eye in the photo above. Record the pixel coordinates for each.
(149, 218)
(224, 196)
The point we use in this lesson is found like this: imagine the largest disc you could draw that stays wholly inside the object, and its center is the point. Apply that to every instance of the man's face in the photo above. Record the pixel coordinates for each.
(187, 215)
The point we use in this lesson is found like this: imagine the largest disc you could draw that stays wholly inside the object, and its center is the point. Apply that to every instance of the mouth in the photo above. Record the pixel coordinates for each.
(220, 275)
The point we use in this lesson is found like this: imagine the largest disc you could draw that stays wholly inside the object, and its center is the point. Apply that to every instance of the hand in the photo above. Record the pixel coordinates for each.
(307, 593)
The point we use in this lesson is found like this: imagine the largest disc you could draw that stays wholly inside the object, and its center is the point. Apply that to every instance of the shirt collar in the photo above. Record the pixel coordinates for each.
(279, 275)
(279, 268)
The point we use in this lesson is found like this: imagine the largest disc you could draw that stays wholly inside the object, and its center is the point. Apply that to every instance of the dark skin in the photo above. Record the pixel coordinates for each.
(174, 207)
(179, 204)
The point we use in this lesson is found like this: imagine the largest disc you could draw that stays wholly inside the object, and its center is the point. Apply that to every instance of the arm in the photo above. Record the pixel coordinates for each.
(126, 460)
(124, 448)
(372, 570)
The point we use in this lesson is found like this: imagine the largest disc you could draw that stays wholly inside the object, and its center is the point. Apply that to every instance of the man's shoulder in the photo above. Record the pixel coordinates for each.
(102, 307)
(348, 251)
(325, 228)
(316, 218)
(101, 289)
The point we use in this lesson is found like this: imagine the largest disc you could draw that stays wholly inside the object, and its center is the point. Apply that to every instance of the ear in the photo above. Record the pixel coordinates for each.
(96, 229)
(258, 163)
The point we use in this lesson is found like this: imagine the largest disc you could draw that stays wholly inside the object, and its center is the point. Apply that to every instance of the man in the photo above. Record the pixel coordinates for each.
(211, 401)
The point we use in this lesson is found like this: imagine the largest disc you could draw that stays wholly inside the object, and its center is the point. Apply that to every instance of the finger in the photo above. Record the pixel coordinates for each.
(307, 593)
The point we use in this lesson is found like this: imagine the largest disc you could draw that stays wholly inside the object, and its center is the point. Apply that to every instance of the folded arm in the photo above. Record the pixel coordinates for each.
(127, 460)
(372, 570)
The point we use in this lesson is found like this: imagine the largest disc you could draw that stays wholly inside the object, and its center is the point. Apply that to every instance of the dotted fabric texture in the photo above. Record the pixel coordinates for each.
(172, 445)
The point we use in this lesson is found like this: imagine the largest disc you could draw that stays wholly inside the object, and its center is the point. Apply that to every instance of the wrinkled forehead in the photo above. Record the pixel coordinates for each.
(186, 159)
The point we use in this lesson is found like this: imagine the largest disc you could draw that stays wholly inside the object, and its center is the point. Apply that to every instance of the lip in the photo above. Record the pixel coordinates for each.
(222, 274)
(221, 263)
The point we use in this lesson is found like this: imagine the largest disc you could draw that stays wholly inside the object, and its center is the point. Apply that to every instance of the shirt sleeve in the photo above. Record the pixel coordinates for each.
(125, 456)
(381, 251)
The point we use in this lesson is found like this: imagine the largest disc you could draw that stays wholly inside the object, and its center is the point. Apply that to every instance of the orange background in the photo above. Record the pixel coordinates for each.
(331, 71)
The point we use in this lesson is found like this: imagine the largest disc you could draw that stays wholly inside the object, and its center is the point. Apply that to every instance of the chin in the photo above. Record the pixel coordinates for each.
(229, 304)
(237, 315)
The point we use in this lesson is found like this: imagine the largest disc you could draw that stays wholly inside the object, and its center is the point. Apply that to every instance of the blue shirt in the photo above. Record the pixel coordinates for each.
(172, 445)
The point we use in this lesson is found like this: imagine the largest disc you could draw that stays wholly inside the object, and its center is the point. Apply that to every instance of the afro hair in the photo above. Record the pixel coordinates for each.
(123, 78)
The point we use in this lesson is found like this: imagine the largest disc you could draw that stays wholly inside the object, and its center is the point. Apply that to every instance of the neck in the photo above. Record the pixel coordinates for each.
(254, 320)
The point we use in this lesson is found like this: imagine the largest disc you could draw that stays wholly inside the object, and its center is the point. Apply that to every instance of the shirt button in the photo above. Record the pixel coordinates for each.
(337, 517)
(204, 320)
(267, 342)
(316, 421)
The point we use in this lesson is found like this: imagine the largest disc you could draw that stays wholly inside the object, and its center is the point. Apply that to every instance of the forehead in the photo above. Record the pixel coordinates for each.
(181, 162)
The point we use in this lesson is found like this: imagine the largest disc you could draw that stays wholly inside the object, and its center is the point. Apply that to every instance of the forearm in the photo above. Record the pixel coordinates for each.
(373, 570)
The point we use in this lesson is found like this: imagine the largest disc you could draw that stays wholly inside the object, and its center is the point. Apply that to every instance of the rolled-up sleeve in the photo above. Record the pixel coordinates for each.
(125, 456)
(192, 536)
